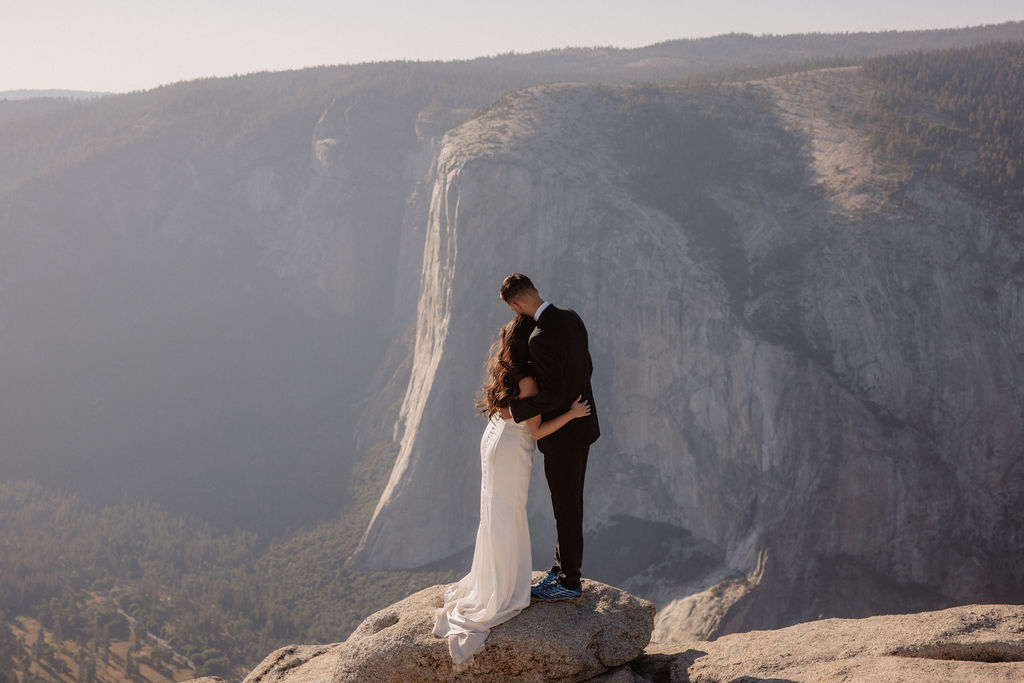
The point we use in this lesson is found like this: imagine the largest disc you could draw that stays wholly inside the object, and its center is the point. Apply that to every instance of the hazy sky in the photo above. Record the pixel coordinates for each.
(119, 45)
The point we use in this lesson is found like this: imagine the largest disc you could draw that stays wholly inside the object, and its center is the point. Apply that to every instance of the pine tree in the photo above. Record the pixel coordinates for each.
(130, 667)
(58, 629)
(105, 645)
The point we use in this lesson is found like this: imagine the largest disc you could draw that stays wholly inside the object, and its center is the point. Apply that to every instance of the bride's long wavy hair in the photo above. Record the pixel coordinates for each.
(507, 364)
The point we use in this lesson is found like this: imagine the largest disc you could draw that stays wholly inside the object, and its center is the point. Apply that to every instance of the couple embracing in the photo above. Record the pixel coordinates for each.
(536, 393)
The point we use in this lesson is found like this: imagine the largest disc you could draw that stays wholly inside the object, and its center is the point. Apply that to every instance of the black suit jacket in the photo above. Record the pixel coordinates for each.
(561, 358)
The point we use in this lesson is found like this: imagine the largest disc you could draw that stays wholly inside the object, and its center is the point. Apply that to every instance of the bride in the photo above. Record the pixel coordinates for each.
(497, 587)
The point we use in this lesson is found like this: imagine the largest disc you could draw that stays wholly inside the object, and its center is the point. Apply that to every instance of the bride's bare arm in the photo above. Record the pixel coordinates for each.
(527, 388)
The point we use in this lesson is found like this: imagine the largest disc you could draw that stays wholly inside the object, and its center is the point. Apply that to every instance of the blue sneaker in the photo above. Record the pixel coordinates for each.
(556, 591)
(549, 579)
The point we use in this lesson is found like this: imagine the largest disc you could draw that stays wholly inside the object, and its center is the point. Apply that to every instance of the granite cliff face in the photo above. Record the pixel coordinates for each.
(808, 362)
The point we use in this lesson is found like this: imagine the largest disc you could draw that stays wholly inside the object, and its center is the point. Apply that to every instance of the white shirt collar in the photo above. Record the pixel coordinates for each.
(540, 309)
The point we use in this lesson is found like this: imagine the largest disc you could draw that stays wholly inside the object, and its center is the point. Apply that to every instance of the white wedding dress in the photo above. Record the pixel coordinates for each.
(497, 587)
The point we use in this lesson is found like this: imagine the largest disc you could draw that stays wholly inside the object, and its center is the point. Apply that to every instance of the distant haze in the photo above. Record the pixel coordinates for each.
(117, 46)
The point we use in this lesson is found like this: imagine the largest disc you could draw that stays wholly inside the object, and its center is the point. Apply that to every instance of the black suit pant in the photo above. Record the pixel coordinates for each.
(565, 471)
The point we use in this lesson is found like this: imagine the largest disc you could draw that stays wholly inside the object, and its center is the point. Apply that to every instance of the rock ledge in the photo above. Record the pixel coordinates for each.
(969, 643)
(560, 641)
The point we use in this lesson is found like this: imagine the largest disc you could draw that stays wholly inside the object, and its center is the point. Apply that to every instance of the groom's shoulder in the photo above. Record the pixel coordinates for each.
(568, 325)
(573, 317)
(561, 312)
(555, 317)
(556, 321)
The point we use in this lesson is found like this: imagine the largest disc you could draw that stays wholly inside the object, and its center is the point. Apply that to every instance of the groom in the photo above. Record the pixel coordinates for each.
(561, 360)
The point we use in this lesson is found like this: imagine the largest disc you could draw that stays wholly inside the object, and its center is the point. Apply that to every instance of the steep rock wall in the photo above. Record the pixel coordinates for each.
(807, 361)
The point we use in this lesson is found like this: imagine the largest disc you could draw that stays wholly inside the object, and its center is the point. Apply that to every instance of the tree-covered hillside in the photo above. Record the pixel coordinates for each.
(165, 587)
(724, 54)
(958, 113)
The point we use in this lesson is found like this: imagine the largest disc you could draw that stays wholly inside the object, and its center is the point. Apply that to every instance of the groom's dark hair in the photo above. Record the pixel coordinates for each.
(514, 286)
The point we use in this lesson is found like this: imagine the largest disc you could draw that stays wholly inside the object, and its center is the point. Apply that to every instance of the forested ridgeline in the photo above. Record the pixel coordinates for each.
(957, 112)
(121, 119)
(89, 583)
(279, 109)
